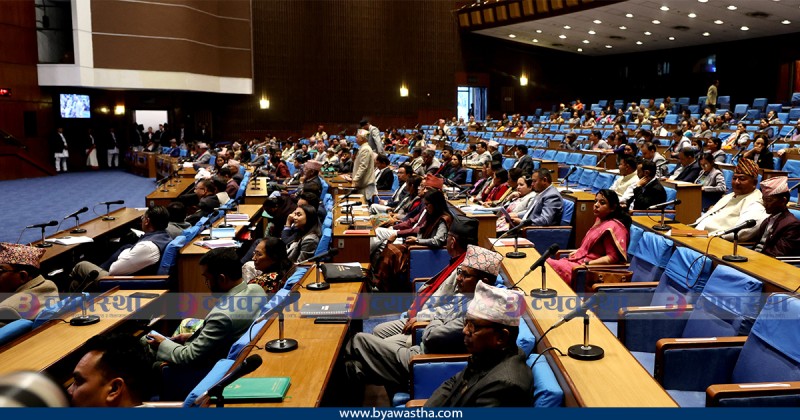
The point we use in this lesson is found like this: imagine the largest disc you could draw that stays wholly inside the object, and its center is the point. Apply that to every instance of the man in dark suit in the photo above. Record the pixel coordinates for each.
(779, 234)
(547, 206)
(689, 169)
(524, 161)
(206, 193)
(385, 177)
(648, 190)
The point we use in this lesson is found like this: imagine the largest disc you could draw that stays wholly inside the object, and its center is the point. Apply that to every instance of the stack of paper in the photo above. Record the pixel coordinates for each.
(218, 243)
(70, 240)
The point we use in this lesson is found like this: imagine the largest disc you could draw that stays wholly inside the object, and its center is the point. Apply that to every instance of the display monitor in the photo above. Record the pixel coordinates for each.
(74, 106)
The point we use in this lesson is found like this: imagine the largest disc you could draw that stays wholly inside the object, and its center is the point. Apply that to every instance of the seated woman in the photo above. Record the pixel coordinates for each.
(760, 154)
(512, 175)
(705, 130)
(458, 173)
(605, 243)
(305, 222)
(739, 139)
(497, 190)
(520, 201)
(711, 179)
(392, 265)
(269, 267)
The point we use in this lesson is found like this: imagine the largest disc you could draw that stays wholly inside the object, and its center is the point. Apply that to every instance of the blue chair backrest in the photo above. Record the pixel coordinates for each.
(567, 211)
(561, 157)
(774, 107)
(650, 257)
(728, 175)
(753, 115)
(508, 163)
(587, 179)
(217, 372)
(760, 103)
(538, 153)
(772, 350)
(573, 158)
(550, 154)
(426, 262)
(739, 110)
(794, 115)
(291, 167)
(684, 278)
(324, 241)
(792, 167)
(636, 236)
(588, 160)
(171, 255)
(395, 182)
(546, 390)
(603, 180)
(191, 233)
(671, 119)
(53, 310)
(671, 194)
(213, 160)
(727, 306)
(184, 153)
(14, 329)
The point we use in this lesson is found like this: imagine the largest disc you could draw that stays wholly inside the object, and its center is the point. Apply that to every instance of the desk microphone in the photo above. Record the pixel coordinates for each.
(43, 225)
(547, 254)
(108, 205)
(664, 204)
(330, 253)
(75, 214)
(744, 225)
(593, 301)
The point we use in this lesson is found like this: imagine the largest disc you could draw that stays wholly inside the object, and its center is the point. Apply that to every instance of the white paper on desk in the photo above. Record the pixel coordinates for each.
(479, 209)
(188, 164)
(238, 222)
(221, 232)
(238, 216)
(523, 242)
(342, 219)
(218, 243)
(70, 240)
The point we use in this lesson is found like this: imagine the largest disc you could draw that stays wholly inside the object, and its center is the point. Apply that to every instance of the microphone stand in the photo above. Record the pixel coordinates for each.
(105, 218)
(44, 244)
(83, 319)
(318, 285)
(164, 185)
(585, 351)
(735, 257)
(281, 344)
(516, 253)
(225, 218)
(662, 227)
(543, 292)
(78, 228)
(210, 231)
(566, 182)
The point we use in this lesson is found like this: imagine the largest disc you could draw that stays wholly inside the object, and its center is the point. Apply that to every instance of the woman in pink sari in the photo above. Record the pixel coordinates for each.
(605, 243)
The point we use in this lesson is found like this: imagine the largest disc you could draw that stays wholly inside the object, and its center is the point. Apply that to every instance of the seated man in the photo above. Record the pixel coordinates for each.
(239, 304)
(650, 152)
(399, 194)
(203, 156)
(430, 164)
(231, 187)
(177, 219)
(311, 175)
(689, 169)
(496, 374)
(647, 191)
(384, 177)
(345, 161)
(547, 206)
(141, 258)
(384, 361)
(23, 290)
(744, 203)
(627, 170)
(779, 234)
(206, 193)
(115, 371)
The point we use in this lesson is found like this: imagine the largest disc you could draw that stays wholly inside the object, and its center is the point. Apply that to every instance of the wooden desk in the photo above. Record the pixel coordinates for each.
(691, 196)
(60, 256)
(309, 367)
(143, 164)
(162, 198)
(584, 212)
(166, 165)
(185, 172)
(337, 182)
(257, 191)
(352, 247)
(616, 380)
(47, 345)
(190, 279)
(777, 276)
(550, 165)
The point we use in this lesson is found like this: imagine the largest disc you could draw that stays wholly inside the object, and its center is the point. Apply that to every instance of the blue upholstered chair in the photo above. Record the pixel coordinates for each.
(544, 236)
(165, 277)
(14, 329)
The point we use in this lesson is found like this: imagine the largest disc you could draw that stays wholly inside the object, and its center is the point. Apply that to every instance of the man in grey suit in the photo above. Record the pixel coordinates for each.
(374, 136)
(546, 207)
(238, 304)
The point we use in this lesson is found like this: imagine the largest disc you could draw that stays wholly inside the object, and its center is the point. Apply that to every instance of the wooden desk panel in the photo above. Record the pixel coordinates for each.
(777, 276)
(336, 183)
(162, 198)
(257, 191)
(352, 247)
(310, 366)
(616, 380)
(584, 212)
(691, 196)
(47, 345)
(190, 279)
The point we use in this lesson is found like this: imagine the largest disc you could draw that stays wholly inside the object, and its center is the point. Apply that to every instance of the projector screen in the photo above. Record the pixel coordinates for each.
(74, 106)
(149, 118)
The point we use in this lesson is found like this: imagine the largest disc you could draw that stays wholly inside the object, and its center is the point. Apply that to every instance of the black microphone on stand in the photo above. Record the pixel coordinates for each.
(77, 222)
(248, 365)
(108, 205)
(566, 178)
(543, 292)
(516, 231)
(735, 230)
(43, 244)
(664, 204)
(662, 227)
(583, 351)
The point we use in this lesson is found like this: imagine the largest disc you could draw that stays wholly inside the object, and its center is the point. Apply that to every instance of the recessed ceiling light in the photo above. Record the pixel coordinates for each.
(562, 36)
(592, 32)
(786, 22)
(706, 34)
(609, 46)
(623, 27)
(629, 15)
(639, 42)
(648, 33)
(744, 28)
(512, 36)
(656, 21)
(718, 22)
(534, 40)
(597, 21)
(672, 38)
(703, 1)
(732, 7)
(585, 41)
(538, 31)
(567, 27)
(692, 15)
(580, 49)
(665, 8)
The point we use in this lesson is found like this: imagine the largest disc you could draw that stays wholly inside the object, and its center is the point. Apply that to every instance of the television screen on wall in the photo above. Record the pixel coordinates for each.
(74, 106)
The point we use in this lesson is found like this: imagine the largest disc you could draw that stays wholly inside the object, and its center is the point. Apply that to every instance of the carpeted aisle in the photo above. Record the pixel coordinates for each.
(38, 200)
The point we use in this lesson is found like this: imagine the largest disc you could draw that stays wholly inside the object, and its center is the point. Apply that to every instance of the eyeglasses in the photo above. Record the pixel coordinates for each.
(472, 327)
(463, 273)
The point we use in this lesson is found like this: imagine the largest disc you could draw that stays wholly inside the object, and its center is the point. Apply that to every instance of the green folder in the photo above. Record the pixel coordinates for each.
(257, 389)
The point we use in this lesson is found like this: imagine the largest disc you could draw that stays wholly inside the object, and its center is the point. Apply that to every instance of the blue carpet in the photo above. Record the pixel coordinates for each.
(38, 200)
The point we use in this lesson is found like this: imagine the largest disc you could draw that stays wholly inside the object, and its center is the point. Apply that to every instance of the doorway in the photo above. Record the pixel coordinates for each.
(472, 101)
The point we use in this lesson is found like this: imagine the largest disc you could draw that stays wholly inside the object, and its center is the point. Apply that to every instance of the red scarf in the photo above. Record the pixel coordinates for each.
(433, 286)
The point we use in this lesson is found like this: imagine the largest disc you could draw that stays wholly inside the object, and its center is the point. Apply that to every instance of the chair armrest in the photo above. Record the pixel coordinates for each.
(416, 331)
(692, 364)
(421, 279)
(416, 403)
(444, 357)
(154, 277)
(640, 327)
(727, 395)
(563, 252)
(633, 285)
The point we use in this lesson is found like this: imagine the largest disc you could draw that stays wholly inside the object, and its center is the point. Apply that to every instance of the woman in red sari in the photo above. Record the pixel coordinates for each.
(605, 243)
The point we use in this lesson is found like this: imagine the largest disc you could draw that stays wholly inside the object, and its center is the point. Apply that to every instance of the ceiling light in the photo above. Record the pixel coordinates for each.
(706, 34)
(580, 49)
(639, 42)
(703, 1)
(665, 8)
(567, 27)
(608, 46)
(534, 40)
(732, 7)
(744, 28)
(538, 31)
(629, 15)
(648, 33)
(718, 22)
(585, 41)
(512, 36)
(623, 27)
(597, 21)
(592, 32)
(692, 15)
(562, 36)
(786, 22)
(656, 21)
(672, 38)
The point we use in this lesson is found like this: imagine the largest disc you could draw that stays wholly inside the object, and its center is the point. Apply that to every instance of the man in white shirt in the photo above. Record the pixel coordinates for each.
(624, 185)
(744, 203)
(658, 129)
(483, 155)
(141, 258)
